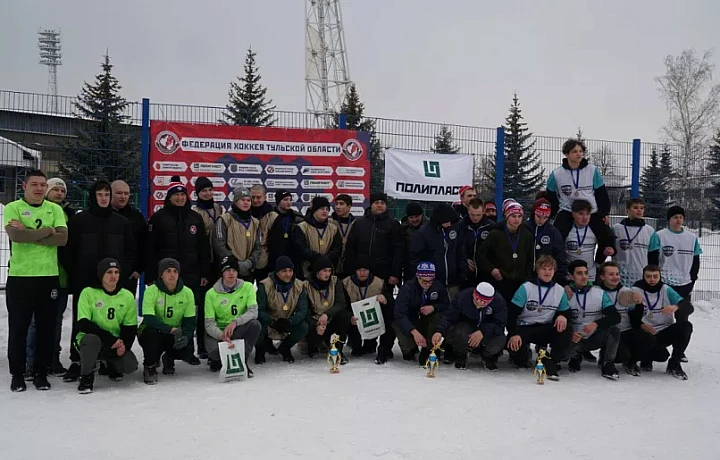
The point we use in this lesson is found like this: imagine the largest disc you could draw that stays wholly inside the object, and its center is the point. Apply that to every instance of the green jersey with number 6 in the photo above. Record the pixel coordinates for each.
(32, 259)
(226, 306)
(169, 308)
(109, 312)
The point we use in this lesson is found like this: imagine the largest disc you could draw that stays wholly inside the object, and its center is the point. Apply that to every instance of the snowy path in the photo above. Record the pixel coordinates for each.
(369, 411)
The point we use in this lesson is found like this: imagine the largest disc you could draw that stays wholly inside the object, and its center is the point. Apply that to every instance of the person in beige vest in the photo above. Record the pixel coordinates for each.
(206, 206)
(360, 286)
(344, 221)
(317, 236)
(282, 309)
(238, 233)
(327, 311)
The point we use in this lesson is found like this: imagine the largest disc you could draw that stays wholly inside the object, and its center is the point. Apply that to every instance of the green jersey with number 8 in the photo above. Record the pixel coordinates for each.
(109, 312)
(169, 308)
(224, 307)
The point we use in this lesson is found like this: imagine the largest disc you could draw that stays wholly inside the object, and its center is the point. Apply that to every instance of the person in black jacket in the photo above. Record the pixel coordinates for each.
(277, 228)
(419, 307)
(548, 240)
(441, 242)
(121, 205)
(409, 225)
(93, 235)
(178, 232)
(476, 319)
(476, 228)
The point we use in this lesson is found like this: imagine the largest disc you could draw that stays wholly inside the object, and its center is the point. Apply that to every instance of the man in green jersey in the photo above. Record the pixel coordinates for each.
(231, 313)
(168, 325)
(35, 227)
(107, 325)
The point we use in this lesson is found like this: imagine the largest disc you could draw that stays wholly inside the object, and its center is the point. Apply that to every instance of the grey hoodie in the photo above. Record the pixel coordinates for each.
(211, 327)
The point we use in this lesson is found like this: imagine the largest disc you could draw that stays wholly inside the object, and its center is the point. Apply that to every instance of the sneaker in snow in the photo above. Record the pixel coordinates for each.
(683, 358)
(343, 359)
(409, 356)
(193, 360)
(423, 357)
(460, 361)
(86, 384)
(675, 369)
(382, 356)
(215, 366)
(286, 354)
(259, 358)
(150, 375)
(168, 364)
(57, 369)
(551, 370)
(29, 373)
(73, 373)
(201, 355)
(632, 369)
(18, 384)
(491, 365)
(646, 367)
(250, 374)
(113, 374)
(41, 382)
(574, 364)
(609, 371)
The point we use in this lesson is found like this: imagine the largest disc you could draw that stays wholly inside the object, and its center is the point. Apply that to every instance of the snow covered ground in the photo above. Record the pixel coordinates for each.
(369, 411)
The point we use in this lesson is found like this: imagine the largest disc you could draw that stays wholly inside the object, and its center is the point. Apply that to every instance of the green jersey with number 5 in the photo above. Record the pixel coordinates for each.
(224, 307)
(169, 308)
(109, 312)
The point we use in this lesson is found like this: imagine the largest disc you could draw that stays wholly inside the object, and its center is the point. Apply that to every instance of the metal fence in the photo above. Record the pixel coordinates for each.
(33, 134)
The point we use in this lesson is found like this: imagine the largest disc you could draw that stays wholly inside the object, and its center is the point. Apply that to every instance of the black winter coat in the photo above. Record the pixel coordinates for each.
(410, 300)
(139, 228)
(179, 232)
(490, 320)
(277, 244)
(551, 244)
(379, 239)
(408, 231)
(474, 235)
(445, 247)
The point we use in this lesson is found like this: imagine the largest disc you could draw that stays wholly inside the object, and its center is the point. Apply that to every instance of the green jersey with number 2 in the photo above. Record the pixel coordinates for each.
(109, 312)
(226, 306)
(170, 309)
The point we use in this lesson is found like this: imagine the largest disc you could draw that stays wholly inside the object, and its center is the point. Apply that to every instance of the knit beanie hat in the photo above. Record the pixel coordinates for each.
(319, 202)
(542, 208)
(283, 262)
(240, 192)
(362, 261)
(321, 262)
(443, 213)
(166, 263)
(512, 208)
(106, 264)
(176, 186)
(281, 195)
(202, 183)
(675, 210)
(413, 209)
(484, 292)
(229, 262)
(425, 270)
(490, 205)
(464, 189)
(55, 182)
(378, 196)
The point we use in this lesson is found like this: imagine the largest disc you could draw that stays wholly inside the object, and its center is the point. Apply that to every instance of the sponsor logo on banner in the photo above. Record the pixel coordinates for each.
(157, 208)
(265, 147)
(351, 184)
(303, 210)
(170, 166)
(426, 176)
(282, 170)
(160, 194)
(357, 211)
(167, 142)
(216, 181)
(356, 197)
(244, 181)
(350, 171)
(352, 149)
(307, 197)
(165, 180)
(244, 168)
(432, 169)
(281, 183)
(217, 196)
(322, 184)
(316, 171)
(217, 168)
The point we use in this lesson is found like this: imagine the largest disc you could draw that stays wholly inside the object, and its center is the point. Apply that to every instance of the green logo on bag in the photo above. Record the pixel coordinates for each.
(234, 364)
(369, 318)
(432, 168)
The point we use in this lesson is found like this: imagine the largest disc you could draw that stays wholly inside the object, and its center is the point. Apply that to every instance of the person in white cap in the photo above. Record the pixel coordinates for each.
(476, 319)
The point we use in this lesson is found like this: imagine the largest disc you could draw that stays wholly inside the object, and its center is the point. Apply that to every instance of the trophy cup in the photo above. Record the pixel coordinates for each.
(333, 356)
(432, 362)
(540, 372)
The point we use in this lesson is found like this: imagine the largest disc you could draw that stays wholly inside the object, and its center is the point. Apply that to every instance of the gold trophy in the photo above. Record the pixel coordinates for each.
(540, 372)
(333, 356)
(432, 362)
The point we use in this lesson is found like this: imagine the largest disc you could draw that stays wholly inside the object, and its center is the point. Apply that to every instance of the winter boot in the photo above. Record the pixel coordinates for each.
(168, 364)
(574, 365)
(449, 355)
(73, 373)
(609, 371)
(522, 360)
(249, 372)
(382, 356)
(551, 369)
(113, 374)
(270, 347)
(57, 368)
(259, 357)
(86, 384)
(460, 361)
(675, 369)
(491, 363)
(18, 384)
(286, 354)
(410, 355)
(41, 382)
(646, 366)
(423, 357)
(150, 375)
(194, 360)
(214, 365)
(632, 369)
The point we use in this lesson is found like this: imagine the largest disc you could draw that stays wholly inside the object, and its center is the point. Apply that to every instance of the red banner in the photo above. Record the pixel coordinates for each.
(305, 162)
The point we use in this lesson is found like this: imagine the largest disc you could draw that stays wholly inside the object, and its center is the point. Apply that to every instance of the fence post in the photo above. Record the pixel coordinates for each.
(499, 169)
(635, 188)
(144, 178)
(342, 121)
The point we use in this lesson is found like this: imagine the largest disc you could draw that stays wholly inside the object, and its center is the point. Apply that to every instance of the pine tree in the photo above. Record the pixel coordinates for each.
(444, 142)
(354, 111)
(523, 174)
(653, 187)
(248, 105)
(105, 145)
(713, 170)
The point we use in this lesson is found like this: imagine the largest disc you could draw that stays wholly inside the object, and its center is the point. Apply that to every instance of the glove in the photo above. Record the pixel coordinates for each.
(282, 325)
(180, 340)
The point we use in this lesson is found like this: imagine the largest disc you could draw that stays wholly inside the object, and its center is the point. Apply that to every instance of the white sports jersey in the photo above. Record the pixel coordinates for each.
(677, 251)
(652, 306)
(586, 308)
(575, 184)
(622, 309)
(632, 251)
(537, 311)
(582, 239)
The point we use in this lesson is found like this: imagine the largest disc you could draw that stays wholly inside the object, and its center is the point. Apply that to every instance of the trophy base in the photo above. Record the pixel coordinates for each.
(334, 371)
(540, 382)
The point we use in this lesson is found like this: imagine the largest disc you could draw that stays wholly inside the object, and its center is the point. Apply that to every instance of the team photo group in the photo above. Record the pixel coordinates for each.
(474, 278)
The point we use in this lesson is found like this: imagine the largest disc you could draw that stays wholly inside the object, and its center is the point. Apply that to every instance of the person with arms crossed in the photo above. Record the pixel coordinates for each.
(238, 233)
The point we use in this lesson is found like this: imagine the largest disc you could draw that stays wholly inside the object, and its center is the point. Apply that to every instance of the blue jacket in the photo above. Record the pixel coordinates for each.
(491, 320)
(445, 247)
(410, 299)
(473, 237)
(552, 244)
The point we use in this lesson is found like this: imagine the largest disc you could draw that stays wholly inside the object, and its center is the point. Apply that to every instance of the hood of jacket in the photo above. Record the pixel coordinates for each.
(93, 207)
(583, 164)
(219, 287)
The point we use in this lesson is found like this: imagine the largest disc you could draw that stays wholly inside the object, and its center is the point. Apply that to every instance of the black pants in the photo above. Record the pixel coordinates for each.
(425, 325)
(678, 335)
(564, 223)
(74, 354)
(460, 335)
(199, 293)
(542, 334)
(507, 288)
(387, 340)
(154, 343)
(339, 324)
(685, 292)
(634, 345)
(25, 297)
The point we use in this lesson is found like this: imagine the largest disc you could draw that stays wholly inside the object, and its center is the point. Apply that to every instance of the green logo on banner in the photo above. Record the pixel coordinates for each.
(234, 364)
(369, 318)
(432, 168)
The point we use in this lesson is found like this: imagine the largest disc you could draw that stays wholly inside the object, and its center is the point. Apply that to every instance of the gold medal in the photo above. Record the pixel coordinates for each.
(247, 233)
(285, 235)
(579, 252)
(322, 243)
(539, 309)
(285, 307)
(577, 193)
(325, 304)
(650, 315)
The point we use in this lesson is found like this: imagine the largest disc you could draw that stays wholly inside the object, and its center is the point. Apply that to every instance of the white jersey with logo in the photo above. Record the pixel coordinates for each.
(652, 306)
(632, 251)
(677, 251)
(622, 309)
(562, 181)
(534, 311)
(587, 248)
(580, 316)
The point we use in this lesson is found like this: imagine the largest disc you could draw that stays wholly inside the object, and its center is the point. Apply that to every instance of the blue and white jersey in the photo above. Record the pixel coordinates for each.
(575, 184)
(653, 304)
(540, 303)
(677, 251)
(587, 307)
(580, 244)
(633, 244)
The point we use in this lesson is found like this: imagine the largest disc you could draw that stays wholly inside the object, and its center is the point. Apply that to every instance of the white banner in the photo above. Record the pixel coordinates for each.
(370, 318)
(426, 176)
(233, 361)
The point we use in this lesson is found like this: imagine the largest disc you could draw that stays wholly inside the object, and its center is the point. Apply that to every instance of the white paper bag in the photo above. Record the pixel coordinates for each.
(370, 318)
(233, 360)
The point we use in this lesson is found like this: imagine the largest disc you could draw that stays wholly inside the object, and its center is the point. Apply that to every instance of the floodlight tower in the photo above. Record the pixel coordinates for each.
(327, 74)
(51, 56)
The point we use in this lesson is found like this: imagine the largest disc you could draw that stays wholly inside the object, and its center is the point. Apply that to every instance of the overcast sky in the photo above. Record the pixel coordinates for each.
(588, 63)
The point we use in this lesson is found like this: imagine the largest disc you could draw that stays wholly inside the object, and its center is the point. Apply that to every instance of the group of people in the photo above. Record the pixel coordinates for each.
(273, 278)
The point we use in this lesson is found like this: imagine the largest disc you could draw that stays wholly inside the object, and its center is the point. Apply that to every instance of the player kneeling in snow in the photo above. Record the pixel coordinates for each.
(328, 313)
(418, 308)
(477, 318)
(231, 312)
(594, 322)
(168, 324)
(538, 314)
(282, 308)
(358, 287)
(661, 304)
(107, 324)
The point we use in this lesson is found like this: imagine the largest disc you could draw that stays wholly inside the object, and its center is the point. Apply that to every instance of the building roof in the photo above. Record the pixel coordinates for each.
(17, 155)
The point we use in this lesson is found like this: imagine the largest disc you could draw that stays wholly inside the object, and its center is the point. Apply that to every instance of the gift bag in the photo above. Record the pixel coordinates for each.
(233, 360)
(370, 318)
